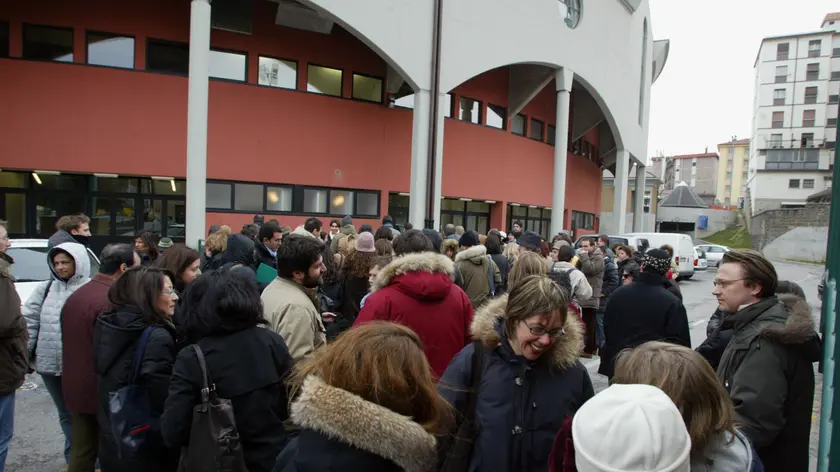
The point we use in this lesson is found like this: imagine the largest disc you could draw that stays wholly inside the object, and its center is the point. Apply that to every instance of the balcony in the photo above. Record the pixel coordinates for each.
(792, 159)
(802, 143)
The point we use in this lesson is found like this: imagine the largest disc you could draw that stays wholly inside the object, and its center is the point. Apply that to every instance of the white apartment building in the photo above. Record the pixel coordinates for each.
(797, 89)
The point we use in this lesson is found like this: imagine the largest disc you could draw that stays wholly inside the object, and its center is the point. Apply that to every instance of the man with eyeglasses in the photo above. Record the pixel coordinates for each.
(767, 367)
(643, 311)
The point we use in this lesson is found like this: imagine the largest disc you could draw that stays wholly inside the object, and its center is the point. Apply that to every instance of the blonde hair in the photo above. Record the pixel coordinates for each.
(217, 242)
(535, 295)
(383, 363)
(688, 380)
(529, 263)
(347, 244)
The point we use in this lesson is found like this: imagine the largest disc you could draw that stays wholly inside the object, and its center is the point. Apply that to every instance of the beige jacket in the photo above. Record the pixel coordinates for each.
(292, 314)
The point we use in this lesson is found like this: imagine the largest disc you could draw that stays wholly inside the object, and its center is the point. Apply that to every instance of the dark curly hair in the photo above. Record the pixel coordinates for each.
(358, 264)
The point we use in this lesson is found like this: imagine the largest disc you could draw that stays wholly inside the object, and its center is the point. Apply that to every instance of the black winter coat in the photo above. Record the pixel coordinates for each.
(343, 432)
(640, 312)
(716, 339)
(612, 280)
(504, 269)
(768, 371)
(521, 404)
(249, 368)
(262, 256)
(115, 339)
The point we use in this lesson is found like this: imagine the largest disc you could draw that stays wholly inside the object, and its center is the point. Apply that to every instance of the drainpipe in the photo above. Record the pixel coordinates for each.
(433, 122)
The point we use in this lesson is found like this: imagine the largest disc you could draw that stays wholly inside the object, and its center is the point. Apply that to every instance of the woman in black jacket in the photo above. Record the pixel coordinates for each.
(494, 250)
(247, 363)
(143, 297)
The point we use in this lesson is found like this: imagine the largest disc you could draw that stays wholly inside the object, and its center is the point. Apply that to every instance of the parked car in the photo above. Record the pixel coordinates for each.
(30, 267)
(714, 253)
(700, 262)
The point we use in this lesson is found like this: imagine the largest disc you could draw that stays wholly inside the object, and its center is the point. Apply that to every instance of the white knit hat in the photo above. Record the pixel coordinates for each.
(630, 428)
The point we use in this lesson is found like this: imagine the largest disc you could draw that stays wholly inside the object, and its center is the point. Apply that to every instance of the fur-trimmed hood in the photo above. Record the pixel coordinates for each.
(475, 254)
(564, 351)
(350, 419)
(799, 327)
(428, 262)
(449, 244)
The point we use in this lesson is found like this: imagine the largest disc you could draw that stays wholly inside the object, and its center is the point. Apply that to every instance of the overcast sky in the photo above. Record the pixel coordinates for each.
(704, 94)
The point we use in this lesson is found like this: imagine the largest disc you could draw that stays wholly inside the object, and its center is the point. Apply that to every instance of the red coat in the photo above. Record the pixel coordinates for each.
(78, 380)
(417, 290)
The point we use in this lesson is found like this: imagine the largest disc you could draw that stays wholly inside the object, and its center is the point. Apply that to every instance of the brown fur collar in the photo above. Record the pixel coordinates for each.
(798, 328)
(449, 244)
(426, 261)
(373, 428)
(472, 252)
(565, 350)
(6, 262)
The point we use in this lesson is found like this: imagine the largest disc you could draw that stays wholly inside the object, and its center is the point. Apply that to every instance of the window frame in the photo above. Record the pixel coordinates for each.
(812, 50)
(297, 71)
(806, 182)
(481, 113)
(231, 51)
(465, 213)
(779, 101)
(341, 80)
(809, 74)
(773, 120)
(541, 123)
(149, 41)
(353, 86)
(585, 217)
(525, 119)
(780, 53)
(88, 32)
(780, 79)
(543, 221)
(504, 118)
(792, 185)
(38, 25)
(812, 121)
(4, 26)
(811, 99)
(550, 134)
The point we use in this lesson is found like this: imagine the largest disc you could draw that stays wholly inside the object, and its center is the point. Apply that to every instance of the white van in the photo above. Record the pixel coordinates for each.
(683, 249)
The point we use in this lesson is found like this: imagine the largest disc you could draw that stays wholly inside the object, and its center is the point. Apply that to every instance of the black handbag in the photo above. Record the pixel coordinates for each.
(460, 447)
(129, 411)
(214, 444)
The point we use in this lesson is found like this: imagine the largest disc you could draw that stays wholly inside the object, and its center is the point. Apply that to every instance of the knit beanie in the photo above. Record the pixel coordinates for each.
(346, 221)
(469, 239)
(365, 243)
(530, 240)
(630, 427)
(657, 261)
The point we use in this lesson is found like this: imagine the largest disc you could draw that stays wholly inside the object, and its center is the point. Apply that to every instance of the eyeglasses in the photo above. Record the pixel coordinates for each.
(539, 330)
(170, 293)
(725, 283)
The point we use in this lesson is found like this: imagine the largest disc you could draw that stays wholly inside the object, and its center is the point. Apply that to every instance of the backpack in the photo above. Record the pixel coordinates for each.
(492, 279)
(215, 445)
(562, 278)
(129, 412)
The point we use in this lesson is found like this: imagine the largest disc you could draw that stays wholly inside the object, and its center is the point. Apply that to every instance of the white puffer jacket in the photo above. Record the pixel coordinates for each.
(43, 311)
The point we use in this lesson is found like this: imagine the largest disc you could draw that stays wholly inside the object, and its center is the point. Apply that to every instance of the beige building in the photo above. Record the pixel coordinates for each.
(732, 172)
(698, 171)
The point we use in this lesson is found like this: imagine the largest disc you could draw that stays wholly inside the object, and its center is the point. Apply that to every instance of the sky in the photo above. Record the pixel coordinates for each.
(705, 92)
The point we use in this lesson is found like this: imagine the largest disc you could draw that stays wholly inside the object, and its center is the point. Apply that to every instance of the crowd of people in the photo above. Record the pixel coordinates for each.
(406, 350)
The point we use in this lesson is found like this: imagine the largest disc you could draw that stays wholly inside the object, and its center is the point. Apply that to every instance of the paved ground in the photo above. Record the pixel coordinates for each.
(38, 443)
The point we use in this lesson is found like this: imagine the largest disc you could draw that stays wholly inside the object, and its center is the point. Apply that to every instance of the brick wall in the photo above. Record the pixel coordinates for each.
(768, 225)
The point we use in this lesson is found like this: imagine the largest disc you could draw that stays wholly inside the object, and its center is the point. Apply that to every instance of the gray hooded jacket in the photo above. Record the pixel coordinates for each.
(43, 310)
(727, 454)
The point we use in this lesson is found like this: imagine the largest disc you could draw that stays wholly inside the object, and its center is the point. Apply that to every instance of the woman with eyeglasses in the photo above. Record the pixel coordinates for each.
(144, 302)
(530, 381)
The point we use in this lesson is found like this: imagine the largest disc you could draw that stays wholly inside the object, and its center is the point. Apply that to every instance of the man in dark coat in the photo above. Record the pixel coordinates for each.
(13, 338)
(643, 311)
(79, 382)
(266, 246)
(716, 339)
(767, 367)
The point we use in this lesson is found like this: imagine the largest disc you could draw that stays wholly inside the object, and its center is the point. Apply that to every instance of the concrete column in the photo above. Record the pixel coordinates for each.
(563, 80)
(441, 121)
(622, 171)
(639, 211)
(419, 158)
(197, 98)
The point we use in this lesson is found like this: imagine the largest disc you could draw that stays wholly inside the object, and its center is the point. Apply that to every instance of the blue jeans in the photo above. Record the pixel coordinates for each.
(53, 385)
(7, 424)
(599, 328)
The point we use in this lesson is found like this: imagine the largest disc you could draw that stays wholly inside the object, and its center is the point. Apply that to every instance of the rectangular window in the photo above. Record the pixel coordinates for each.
(807, 140)
(793, 183)
(833, 98)
(228, 65)
(781, 74)
(814, 47)
(812, 72)
(341, 202)
(778, 119)
(248, 197)
(807, 183)
(782, 51)
(835, 52)
(536, 129)
(810, 95)
(447, 105)
(469, 110)
(218, 196)
(517, 124)
(277, 73)
(112, 50)
(47, 43)
(278, 198)
(314, 200)
(367, 88)
(323, 80)
(583, 220)
(167, 57)
(775, 140)
(831, 122)
(367, 203)
(4, 39)
(808, 118)
(835, 76)
(552, 131)
(496, 116)
(779, 97)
